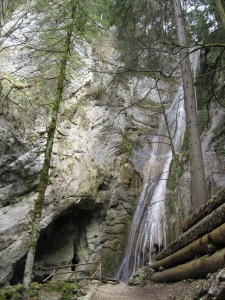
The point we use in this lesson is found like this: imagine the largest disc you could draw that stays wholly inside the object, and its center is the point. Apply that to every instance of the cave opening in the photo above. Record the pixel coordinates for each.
(75, 261)
(62, 242)
(18, 271)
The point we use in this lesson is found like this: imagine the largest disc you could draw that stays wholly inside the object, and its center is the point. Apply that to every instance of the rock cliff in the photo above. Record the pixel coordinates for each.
(99, 152)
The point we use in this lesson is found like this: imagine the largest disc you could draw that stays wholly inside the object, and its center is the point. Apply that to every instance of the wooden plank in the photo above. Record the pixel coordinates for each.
(56, 268)
(74, 265)
(113, 280)
(48, 277)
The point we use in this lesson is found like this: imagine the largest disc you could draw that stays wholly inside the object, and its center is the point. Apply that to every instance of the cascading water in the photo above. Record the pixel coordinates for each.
(148, 226)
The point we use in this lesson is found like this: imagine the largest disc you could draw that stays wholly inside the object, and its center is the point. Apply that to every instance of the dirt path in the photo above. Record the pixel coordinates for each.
(152, 291)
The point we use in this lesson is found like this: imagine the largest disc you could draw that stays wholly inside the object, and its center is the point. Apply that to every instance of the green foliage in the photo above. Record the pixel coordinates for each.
(116, 243)
(126, 146)
(217, 130)
(201, 19)
(8, 7)
(65, 290)
(100, 10)
(145, 274)
(32, 244)
(171, 182)
(210, 82)
(108, 262)
(38, 203)
(145, 32)
(219, 134)
(127, 218)
(143, 281)
(221, 152)
(185, 144)
(170, 203)
(34, 293)
(14, 92)
(202, 120)
(2, 296)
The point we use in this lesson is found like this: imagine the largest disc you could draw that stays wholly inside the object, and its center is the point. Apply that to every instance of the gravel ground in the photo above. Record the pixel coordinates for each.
(156, 291)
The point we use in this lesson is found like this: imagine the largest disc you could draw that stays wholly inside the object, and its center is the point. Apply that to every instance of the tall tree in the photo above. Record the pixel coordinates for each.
(155, 39)
(8, 8)
(221, 12)
(75, 22)
(206, 32)
(198, 183)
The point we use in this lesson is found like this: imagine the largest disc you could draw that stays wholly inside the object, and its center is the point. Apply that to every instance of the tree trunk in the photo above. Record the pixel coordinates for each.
(204, 210)
(194, 269)
(43, 182)
(206, 225)
(198, 184)
(206, 244)
(220, 11)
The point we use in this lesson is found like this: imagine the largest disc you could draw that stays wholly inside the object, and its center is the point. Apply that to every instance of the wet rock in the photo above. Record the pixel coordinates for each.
(217, 289)
(141, 276)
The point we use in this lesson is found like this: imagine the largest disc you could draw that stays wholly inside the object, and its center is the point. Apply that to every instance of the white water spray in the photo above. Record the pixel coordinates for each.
(148, 228)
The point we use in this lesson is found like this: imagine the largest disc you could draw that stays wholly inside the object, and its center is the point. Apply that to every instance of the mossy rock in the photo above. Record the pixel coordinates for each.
(63, 289)
(2, 296)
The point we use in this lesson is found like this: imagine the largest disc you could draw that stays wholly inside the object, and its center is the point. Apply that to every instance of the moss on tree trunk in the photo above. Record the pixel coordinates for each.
(220, 11)
(198, 184)
(43, 182)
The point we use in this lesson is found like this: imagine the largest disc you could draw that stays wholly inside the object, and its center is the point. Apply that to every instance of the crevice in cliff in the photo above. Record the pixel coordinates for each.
(68, 239)
(18, 271)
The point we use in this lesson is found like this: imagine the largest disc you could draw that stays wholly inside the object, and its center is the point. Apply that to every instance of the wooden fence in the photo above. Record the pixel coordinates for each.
(56, 271)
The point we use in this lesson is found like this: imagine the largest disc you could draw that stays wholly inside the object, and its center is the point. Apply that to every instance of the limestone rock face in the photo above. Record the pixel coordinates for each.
(213, 149)
(212, 139)
(94, 180)
(101, 145)
(18, 163)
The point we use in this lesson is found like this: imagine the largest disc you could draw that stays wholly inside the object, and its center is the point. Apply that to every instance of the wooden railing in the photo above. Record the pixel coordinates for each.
(97, 271)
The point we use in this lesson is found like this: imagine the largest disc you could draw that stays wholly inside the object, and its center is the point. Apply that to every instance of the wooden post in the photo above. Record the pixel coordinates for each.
(97, 273)
(54, 275)
(100, 270)
(75, 276)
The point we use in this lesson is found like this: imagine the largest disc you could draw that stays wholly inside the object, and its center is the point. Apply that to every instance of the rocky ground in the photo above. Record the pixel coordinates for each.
(211, 288)
(203, 289)
(156, 291)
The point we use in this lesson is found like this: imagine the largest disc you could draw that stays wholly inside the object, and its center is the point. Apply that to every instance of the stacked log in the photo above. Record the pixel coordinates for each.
(194, 269)
(204, 233)
(207, 224)
(205, 245)
(204, 210)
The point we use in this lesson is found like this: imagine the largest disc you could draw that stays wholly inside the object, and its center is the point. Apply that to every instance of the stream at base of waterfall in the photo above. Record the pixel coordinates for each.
(148, 228)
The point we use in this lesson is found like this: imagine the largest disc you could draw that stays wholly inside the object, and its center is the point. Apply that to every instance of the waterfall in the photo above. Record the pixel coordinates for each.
(148, 228)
